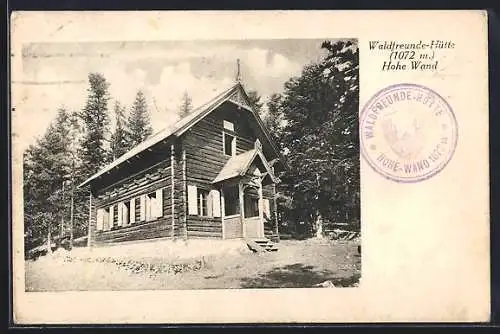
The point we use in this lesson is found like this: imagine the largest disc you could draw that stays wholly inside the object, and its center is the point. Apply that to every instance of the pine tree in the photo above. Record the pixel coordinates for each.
(138, 121)
(94, 152)
(320, 138)
(254, 98)
(120, 137)
(47, 165)
(273, 118)
(186, 105)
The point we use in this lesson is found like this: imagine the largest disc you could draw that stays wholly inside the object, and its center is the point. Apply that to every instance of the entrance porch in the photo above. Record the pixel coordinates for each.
(243, 205)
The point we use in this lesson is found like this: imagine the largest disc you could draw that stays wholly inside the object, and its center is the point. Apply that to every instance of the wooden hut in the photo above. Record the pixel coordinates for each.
(210, 175)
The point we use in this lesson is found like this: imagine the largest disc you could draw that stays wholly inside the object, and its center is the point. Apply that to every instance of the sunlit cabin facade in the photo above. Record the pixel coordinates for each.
(210, 175)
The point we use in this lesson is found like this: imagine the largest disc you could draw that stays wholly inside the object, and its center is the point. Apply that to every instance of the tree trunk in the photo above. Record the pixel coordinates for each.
(89, 231)
(49, 238)
(319, 226)
(61, 228)
(72, 215)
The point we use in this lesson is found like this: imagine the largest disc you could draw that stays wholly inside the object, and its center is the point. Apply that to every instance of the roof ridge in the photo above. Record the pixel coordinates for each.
(162, 134)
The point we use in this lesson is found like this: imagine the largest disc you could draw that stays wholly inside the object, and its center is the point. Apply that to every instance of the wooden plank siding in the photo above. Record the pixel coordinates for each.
(92, 220)
(198, 158)
(203, 145)
(143, 230)
(147, 181)
(179, 205)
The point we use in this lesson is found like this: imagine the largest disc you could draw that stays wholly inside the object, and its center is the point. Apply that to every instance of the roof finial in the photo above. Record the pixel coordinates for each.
(238, 74)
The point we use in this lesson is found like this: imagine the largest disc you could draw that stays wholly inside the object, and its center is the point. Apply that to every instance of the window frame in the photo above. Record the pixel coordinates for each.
(251, 202)
(202, 199)
(228, 191)
(233, 143)
(228, 129)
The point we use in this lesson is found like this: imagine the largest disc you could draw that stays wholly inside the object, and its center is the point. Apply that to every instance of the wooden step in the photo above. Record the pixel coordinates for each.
(261, 245)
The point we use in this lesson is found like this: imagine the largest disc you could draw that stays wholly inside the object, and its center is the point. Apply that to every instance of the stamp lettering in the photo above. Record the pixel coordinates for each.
(408, 133)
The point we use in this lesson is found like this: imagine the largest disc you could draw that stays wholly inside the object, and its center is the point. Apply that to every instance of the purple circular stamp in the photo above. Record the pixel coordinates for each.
(408, 132)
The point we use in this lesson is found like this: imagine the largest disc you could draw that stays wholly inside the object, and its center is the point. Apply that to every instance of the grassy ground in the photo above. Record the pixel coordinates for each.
(296, 264)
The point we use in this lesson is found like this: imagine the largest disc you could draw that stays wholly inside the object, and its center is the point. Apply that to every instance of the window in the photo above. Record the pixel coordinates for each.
(138, 209)
(102, 219)
(228, 139)
(228, 125)
(251, 206)
(125, 212)
(229, 144)
(150, 205)
(202, 202)
(231, 201)
(113, 217)
(153, 203)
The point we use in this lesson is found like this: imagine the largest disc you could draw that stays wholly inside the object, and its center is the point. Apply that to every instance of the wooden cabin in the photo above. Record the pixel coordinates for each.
(210, 175)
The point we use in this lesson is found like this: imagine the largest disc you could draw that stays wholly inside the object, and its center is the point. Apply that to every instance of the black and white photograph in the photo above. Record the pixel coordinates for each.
(191, 165)
(241, 167)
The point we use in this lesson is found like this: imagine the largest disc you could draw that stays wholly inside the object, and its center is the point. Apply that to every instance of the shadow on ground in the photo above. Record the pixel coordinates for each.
(296, 275)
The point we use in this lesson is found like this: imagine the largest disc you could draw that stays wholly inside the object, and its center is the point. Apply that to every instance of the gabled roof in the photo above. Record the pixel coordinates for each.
(185, 124)
(238, 166)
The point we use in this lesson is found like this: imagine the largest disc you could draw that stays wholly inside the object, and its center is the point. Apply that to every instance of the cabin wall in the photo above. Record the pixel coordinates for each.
(268, 192)
(205, 157)
(198, 158)
(204, 151)
(145, 182)
(179, 194)
(92, 219)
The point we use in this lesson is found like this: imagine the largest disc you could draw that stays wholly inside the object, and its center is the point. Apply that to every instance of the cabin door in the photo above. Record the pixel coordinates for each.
(252, 216)
(232, 221)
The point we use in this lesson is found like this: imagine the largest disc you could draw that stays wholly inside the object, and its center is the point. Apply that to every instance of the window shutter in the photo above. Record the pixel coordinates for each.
(151, 208)
(210, 211)
(267, 210)
(111, 216)
(148, 207)
(99, 219)
(105, 220)
(120, 213)
(159, 203)
(124, 214)
(143, 207)
(233, 147)
(215, 195)
(132, 211)
(192, 200)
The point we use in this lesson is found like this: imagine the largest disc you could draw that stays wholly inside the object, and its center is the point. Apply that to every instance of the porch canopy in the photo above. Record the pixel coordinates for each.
(241, 180)
(247, 164)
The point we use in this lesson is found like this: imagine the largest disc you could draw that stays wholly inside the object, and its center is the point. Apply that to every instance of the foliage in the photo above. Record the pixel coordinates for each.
(138, 121)
(186, 105)
(320, 139)
(120, 139)
(255, 100)
(95, 119)
(46, 166)
(274, 118)
(314, 122)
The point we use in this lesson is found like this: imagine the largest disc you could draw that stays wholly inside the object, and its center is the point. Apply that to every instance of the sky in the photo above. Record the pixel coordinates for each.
(55, 74)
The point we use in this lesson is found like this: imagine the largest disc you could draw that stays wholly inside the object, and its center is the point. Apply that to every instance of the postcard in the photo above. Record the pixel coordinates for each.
(249, 167)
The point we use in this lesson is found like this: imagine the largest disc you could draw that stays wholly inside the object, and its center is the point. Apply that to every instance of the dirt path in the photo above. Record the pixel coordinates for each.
(296, 264)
